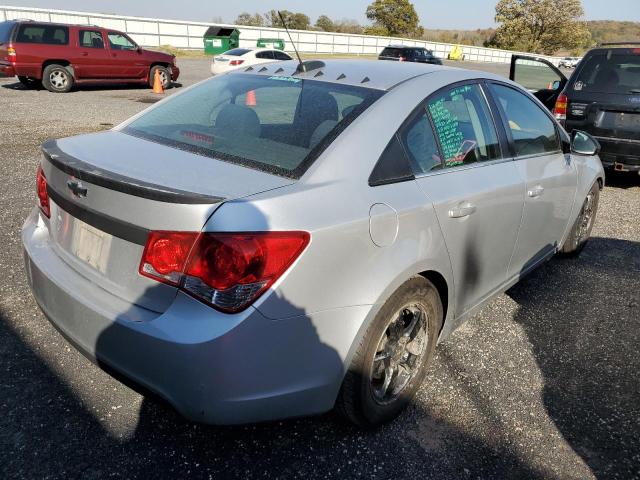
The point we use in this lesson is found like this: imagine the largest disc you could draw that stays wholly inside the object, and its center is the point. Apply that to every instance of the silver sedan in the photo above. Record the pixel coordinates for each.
(286, 239)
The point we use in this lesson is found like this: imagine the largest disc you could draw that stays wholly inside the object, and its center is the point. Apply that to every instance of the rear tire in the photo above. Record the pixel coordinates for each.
(29, 82)
(581, 230)
(57, 78)
(393, 356)
(165, 76)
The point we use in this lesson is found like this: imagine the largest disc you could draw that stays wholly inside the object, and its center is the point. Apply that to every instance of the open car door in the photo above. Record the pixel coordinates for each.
(539, 76)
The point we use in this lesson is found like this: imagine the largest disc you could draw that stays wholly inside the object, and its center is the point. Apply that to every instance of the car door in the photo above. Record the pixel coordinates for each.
(125, 59)
(550, 176)
(91, 57)
(475, 190)
(539, 76)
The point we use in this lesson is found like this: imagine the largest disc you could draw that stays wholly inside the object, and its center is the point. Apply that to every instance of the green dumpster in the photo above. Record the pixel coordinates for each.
(220, 39)
(276, 43)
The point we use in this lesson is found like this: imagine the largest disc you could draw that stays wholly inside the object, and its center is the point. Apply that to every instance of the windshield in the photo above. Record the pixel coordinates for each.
(275, 124)
(615, 73)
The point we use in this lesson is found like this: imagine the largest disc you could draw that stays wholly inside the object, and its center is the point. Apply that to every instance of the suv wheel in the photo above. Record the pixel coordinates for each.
(29, 82)
(581, 230)
(165, 76)
(393, 356)
(57, 78)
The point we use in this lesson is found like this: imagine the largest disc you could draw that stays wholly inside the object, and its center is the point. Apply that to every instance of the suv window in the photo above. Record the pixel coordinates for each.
(91, 39)
(118, 41)
(49, 34)
(391, 52)
(5, 31)
(420, 144)
(533, 132)
(464, 126)
(280, 128)
(615, 73)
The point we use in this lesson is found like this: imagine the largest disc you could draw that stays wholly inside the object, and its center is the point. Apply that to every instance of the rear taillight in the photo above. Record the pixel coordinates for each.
(402, 59)
(560, 110)
(43, 195)
(228, 271)
(236, 62)
(11, 54)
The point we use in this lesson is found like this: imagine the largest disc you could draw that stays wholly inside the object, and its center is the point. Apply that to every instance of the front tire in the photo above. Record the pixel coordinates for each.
(391, 361)
(581, 230)
(57, 78)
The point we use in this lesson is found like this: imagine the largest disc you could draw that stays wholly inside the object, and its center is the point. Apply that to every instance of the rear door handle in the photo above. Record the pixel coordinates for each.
(536, 191)
(463, 210)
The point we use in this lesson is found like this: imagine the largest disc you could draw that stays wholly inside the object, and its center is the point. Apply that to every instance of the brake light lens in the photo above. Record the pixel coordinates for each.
(560, 110)
(11, 54)
(43, 195)
(228, 271)
(402, 59)
(236, 62)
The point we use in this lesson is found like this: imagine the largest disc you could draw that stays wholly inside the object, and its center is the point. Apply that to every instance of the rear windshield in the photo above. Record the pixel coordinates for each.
(237, 52)
(49, 34)
(615, 73)
(276, 124)
(5, 31)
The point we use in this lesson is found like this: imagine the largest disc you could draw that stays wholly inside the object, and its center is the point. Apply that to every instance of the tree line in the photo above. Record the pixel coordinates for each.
(537, 26)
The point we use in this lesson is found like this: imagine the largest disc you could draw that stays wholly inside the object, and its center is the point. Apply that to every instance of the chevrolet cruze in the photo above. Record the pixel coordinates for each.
(289, 238)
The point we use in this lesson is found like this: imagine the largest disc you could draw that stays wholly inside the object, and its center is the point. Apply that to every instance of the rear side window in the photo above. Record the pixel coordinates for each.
(464, 126)
(91, 39)
(391, 52)
(236, 52)
(533, 132)
(275, 124)
(47, 34)
(420, 144)
(609, 73)
(5, 31)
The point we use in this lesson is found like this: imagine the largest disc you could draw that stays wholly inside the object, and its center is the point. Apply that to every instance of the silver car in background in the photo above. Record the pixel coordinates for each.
(281, 241)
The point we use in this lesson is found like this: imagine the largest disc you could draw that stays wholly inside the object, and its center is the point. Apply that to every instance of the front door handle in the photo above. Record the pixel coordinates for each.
(536, 191)
(463, 210)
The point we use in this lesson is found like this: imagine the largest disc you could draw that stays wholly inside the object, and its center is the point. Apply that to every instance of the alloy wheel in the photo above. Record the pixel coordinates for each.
(58, 79)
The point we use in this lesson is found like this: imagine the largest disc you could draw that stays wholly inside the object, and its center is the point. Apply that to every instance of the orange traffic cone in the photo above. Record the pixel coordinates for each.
(251, 98)
(157, 83)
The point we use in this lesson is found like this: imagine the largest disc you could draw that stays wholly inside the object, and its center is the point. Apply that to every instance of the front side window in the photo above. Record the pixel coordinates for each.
(91, 39)
(47, 34)
(117, 41)
(464, 126)
(533, 132)
(274, 124)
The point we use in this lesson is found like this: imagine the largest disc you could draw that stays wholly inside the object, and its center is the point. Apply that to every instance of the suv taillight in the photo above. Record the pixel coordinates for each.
(11, 54)
(560, 110)
(228, 271)
(236, 62)
(402, 59)
(43, 195)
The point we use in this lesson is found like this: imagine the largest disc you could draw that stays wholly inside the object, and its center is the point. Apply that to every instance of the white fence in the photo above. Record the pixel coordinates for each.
(153, 32)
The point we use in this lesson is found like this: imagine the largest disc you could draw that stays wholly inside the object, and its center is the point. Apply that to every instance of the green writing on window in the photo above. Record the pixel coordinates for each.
(447, 122)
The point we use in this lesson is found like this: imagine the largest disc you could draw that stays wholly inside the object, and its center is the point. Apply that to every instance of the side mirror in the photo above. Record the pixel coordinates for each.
(584, 144)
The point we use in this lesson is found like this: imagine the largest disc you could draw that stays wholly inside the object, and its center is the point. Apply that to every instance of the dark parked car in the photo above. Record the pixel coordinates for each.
(401, 53)
(602, 97)
(59, 56)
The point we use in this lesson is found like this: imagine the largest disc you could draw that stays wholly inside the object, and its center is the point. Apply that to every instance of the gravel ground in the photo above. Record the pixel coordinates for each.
(543, 383)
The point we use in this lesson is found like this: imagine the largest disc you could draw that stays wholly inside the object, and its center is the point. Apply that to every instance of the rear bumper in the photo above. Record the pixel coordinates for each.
(620, 154)
(7, 70)
(212, 367)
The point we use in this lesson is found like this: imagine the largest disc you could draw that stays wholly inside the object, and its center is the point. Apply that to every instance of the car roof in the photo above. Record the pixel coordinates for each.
(365, 73)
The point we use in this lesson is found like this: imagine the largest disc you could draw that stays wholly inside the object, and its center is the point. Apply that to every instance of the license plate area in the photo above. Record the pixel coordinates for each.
(627, 121)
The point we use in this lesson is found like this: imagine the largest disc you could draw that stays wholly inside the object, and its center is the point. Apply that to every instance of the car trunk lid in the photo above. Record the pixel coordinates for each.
(109, 190)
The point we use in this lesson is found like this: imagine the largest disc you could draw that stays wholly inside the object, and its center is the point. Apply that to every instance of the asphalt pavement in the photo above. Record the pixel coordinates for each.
(543, 383)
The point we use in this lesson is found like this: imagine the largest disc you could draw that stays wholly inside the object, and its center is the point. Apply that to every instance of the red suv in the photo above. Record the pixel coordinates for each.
(60, 56)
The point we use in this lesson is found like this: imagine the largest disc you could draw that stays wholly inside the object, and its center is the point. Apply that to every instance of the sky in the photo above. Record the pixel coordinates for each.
(467, 14)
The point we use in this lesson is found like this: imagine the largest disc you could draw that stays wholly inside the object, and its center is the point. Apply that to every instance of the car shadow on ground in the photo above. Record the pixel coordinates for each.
(585, 338)
(92, 87)
(622, 179)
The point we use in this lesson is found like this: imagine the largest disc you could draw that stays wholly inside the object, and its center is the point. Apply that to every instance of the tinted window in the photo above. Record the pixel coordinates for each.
(282, 56)
(391, 52)
(532, 130)
(620, 73)
(49, 34)
(392, 166)
(91, 39)
(5, 31)
(117, 41)
(275, 124)
(236, 52)
(267, 55)
(420, 144)
(464, 126)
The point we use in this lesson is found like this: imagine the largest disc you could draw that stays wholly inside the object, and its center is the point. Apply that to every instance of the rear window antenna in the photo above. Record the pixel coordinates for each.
(301, 66)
